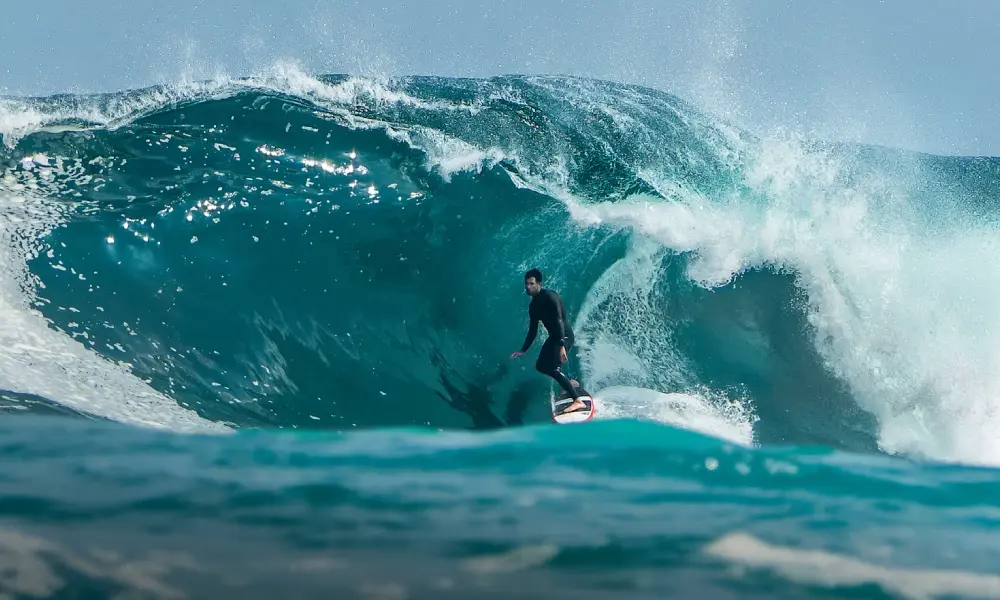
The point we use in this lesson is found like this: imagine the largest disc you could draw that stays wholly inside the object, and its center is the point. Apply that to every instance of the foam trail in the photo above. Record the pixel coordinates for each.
(625, 337)
(625, 331)
(687, 411)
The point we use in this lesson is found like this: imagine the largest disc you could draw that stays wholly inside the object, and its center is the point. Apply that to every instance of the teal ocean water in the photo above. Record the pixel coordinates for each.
(254, 341)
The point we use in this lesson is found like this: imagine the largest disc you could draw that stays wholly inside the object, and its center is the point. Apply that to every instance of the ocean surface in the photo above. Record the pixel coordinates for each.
(254, 340)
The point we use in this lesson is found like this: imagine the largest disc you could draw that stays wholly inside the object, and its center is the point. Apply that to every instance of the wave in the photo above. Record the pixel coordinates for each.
(290, 251)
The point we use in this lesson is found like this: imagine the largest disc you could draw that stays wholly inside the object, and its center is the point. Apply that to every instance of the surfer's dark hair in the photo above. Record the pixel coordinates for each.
(533, 273)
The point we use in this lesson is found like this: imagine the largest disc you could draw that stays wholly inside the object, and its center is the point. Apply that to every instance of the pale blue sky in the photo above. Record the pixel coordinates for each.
(916, 74)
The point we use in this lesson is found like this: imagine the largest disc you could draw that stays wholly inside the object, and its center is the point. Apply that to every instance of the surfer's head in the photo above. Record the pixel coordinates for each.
(532, 282)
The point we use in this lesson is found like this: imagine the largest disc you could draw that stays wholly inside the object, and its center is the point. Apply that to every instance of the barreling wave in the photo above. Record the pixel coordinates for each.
(342, 252)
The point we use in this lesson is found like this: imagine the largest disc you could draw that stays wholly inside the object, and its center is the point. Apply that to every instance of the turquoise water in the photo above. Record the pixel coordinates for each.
(254, 340)
(613, 509)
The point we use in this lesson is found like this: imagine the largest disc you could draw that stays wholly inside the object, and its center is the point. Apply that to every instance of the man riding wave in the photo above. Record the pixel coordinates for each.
(547, 306)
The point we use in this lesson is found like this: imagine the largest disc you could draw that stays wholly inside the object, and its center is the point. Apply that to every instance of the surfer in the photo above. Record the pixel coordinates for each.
(546, 306)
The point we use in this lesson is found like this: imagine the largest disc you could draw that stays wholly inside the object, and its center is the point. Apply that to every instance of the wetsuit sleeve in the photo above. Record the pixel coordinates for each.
(532, 330)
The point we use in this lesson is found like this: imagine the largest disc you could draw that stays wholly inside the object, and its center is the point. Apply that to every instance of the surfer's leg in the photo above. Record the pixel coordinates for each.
(567, 385)
(564, 382)
(569, 348)
(548, 364)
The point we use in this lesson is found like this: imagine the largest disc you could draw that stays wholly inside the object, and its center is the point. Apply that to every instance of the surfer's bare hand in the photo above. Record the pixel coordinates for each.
(517, 354)
(562, 354)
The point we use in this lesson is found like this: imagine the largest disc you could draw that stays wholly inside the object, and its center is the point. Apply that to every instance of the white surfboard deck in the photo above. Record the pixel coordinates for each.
(577, 416)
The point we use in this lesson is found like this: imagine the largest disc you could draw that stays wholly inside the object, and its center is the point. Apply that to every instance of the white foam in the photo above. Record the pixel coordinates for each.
(903, 306)
(821, 568)
(623, 334)
(446, 154)
(717, 417)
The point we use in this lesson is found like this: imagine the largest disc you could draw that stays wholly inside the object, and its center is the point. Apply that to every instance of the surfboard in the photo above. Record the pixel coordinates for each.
(577, 416)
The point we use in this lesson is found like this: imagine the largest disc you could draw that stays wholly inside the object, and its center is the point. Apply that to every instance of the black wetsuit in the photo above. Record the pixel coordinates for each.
(548, 308)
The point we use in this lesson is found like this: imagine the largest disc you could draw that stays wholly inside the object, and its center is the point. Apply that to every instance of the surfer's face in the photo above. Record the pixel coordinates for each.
(531, 286)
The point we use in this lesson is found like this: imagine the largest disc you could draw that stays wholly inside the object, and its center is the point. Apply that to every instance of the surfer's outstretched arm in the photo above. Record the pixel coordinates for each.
(532, 333)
